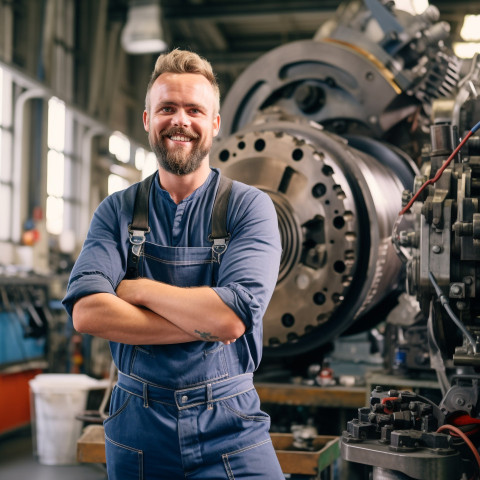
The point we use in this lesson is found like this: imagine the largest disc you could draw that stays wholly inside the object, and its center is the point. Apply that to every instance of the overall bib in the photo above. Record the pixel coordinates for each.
(185, 411)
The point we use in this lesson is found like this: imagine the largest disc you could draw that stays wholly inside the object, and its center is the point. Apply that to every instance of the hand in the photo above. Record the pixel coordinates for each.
(126, 290)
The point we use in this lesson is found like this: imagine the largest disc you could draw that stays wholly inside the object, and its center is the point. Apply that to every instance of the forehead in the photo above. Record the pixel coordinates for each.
(187, 87)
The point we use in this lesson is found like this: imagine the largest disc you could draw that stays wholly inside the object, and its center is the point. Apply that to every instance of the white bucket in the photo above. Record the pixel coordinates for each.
(57, 399)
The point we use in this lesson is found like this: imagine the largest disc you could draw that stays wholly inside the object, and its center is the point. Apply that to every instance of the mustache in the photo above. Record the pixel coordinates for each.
(168, 132)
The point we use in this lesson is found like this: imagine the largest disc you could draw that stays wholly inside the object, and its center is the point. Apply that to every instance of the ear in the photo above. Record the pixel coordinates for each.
(216, 124)
(146, 123)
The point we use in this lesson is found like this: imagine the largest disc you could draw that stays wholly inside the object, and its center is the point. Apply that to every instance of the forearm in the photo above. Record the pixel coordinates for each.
(107, 316)
(199, 311)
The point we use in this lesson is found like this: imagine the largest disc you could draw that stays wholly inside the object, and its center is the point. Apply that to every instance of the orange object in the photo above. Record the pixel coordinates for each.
(15, 399)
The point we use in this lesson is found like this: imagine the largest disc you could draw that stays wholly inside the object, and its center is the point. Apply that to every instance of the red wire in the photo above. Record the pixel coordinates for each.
(464, 438)
(464, 419)
(384, 400)
(431, 181)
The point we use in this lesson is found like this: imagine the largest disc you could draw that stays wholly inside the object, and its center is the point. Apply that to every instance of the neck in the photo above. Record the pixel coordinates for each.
(180, 187)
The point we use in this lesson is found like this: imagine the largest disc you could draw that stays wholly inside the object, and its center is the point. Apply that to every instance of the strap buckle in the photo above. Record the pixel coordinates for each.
(137, 239)
(219, 246)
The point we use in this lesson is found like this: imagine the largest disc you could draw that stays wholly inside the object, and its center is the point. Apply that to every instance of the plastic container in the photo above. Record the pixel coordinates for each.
(56, 400)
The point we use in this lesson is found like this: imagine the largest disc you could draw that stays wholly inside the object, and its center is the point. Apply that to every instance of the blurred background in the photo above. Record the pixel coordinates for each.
(327, 106)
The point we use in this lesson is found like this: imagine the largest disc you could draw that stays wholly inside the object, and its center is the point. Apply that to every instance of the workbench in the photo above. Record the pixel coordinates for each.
(314, 396)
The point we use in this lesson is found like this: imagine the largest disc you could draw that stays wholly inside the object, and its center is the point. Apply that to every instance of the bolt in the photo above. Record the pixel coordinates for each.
(455, 289)
(436, 249)
(302, 281)
(460, 401)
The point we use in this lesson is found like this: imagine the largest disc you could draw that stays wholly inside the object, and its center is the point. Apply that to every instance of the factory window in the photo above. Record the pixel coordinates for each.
(116, 183)
(6, 155)
(60, 168)
(119, 145)
(145, 162)
(125, 152)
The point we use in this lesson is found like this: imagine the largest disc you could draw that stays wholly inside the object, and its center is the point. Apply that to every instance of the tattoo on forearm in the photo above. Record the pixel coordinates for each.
(206, 336)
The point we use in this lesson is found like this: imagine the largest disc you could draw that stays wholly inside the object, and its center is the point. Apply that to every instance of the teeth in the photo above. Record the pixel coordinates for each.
(180, 138)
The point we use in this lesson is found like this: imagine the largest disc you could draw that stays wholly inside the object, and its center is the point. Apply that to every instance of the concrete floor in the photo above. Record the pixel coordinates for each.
(17, 462)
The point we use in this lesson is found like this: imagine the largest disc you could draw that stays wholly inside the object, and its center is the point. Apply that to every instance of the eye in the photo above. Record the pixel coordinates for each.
(166, 109)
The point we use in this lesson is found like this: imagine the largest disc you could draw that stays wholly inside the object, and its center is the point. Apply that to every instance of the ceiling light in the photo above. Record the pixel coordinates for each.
(143, 31)
(471, 28)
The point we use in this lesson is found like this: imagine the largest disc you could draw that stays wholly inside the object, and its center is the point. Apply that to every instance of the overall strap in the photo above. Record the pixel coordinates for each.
(139, 226)
(219, 236)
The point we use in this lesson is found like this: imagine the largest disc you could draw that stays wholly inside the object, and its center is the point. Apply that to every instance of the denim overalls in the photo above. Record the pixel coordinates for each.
(187, 410)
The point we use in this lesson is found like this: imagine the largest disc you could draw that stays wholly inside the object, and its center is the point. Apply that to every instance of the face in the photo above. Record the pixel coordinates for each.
(181, 121)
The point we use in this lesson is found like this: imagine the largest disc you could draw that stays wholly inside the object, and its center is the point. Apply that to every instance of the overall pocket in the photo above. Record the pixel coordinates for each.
(124, 461)
(179, 266)
(259, 457)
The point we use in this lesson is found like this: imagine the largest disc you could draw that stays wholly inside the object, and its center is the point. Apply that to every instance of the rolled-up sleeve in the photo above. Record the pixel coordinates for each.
(101, 264)
(249, 268)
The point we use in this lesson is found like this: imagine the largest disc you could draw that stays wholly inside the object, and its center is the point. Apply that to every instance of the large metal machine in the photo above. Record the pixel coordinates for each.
(331, 129)
(366, 140)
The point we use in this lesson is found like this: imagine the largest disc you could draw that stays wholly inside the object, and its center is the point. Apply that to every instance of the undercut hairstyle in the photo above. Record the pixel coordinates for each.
(183, 61)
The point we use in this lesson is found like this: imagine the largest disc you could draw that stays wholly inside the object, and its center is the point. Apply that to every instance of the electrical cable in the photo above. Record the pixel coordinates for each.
(464, 438)
(444, 302)
(464, 419)
(431, 181)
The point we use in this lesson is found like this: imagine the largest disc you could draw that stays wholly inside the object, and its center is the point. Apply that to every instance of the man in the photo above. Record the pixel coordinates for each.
(186, 335)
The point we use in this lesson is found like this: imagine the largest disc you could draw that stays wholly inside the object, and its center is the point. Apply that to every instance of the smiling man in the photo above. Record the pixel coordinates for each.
(180, 132)
(186, 332)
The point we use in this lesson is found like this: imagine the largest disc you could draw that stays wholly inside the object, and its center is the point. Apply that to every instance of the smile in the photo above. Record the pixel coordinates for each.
(180, 138)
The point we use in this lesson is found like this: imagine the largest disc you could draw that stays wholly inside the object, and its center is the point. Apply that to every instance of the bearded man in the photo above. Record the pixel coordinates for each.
(186, 332)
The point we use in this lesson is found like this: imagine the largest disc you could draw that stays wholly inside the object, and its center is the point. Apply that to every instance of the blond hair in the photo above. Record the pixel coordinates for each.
(183, 61)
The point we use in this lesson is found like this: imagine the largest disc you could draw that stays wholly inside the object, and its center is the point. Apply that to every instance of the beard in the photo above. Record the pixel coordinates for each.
(176, 160)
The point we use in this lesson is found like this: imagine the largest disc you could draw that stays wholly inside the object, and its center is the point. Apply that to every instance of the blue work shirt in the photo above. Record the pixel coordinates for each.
(246, 276)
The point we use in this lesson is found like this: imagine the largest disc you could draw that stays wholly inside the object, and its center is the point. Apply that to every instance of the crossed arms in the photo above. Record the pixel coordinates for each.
(146, 312)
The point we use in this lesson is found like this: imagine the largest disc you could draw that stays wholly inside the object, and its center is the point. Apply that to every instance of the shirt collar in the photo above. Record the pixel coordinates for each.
(214, 172)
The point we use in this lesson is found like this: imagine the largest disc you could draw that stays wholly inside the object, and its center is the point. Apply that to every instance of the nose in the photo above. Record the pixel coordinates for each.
(181, 118)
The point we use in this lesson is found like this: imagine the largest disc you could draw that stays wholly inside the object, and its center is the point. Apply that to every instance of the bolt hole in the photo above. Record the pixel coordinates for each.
(288, 320)
(327, 170)
(338, 222)
(319, 298)
(339, 266)
(224, 155)
(297, 154)
(318, 190)
(259, 144)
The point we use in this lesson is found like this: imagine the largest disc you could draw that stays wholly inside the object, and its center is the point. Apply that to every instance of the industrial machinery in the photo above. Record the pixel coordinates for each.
(332, 130)
(366, 140)
(403, 435)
